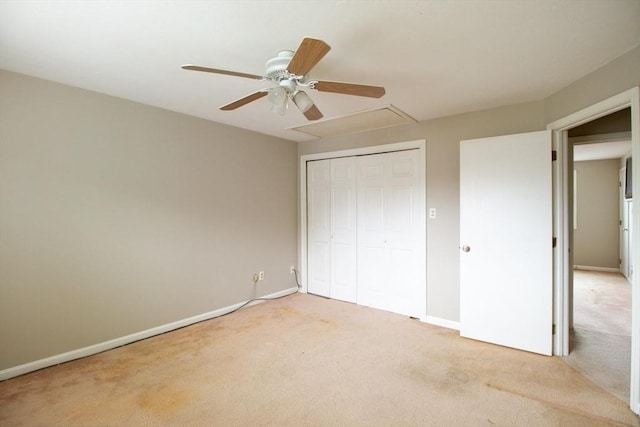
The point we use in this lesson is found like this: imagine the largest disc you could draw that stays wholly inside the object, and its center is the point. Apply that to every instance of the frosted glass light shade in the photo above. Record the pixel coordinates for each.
(277, 96)
(279, 109)
(303, 101)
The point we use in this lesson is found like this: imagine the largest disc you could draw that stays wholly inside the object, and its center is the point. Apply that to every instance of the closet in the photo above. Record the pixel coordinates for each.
(365, 230)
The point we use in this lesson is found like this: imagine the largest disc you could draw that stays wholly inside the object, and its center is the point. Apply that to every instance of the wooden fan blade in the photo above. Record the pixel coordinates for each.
(313, 113)
(216, 71)
(243, 101)
(309, 53)
(350, 89)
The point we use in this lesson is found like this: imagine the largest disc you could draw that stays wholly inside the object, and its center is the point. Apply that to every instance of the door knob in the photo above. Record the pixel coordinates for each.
(466, 248)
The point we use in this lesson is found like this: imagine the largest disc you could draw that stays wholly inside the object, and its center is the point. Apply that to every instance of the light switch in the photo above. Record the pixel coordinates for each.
(432, 213)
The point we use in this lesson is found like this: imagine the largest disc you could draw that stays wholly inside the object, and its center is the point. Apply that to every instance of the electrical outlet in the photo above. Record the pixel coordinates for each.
(255, 278)
(292, 269)
(261, 275)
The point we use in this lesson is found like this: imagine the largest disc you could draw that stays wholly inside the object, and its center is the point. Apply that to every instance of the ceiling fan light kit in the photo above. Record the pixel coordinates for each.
(288, 71)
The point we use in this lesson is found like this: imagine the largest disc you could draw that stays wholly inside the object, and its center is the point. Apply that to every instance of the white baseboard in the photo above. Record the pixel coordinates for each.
(128, 339)
(592, 268)
(450, 324)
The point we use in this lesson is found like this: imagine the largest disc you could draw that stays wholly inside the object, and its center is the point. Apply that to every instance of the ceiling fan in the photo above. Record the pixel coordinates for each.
(288, 72)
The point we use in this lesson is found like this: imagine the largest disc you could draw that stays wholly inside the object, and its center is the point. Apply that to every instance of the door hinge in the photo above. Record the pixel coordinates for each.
(554, 242)
(619, 260)
(553, 329)
(554, 155)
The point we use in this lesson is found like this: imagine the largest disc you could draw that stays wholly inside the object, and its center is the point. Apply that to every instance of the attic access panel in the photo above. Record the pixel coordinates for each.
(378, 118)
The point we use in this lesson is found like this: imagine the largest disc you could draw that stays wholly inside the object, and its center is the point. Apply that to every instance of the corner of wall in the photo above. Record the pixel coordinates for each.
(615, 77)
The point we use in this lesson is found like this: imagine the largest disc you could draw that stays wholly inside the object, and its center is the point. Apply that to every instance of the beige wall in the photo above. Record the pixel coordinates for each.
(117, 217)
(613, 78)
(596, 241)
(442, 175)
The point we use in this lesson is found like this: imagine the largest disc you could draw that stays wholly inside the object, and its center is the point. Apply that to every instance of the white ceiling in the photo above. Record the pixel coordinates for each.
(435, 58)
(601, 151)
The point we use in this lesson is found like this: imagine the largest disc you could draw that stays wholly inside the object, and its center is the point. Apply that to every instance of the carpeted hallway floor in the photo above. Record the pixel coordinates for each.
(601, 339)
(308, 361)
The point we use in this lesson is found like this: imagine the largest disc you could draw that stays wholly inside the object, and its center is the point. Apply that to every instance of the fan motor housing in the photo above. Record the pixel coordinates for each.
(276, 68)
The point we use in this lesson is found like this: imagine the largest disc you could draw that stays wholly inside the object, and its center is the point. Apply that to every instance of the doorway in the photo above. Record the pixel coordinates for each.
(563, 256)
(600, 333)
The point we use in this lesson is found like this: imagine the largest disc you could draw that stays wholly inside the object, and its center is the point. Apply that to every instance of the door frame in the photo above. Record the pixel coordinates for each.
(624, 222)
(562, 253)
(420, 144)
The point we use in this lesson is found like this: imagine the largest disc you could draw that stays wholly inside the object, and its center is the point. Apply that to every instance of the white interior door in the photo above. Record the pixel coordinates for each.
(343, 229)
(506, 281)
(319, 227)
(390, 229)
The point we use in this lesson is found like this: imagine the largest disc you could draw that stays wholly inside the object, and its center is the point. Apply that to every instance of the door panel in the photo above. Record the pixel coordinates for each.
(319, 227)
(389, 260)
(343, 229)
(402, 215)
(372, 209)
(506, 222)
(401, 268)
(341, 266)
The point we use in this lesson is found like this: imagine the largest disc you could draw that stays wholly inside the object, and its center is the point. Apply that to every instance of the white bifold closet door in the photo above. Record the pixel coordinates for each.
(390, 262)
(332, 228)
(365, 224)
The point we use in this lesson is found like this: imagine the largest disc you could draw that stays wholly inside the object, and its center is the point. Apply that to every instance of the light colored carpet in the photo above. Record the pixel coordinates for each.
(601, 340)
(309, 361)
